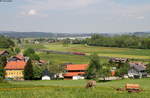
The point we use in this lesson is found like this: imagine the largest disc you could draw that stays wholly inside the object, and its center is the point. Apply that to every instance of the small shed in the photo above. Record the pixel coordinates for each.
(46, 75)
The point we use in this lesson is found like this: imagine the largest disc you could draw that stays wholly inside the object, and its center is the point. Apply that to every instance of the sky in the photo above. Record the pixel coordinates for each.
(75, 16)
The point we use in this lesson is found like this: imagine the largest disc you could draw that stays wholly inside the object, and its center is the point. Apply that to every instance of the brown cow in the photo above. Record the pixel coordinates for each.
(91, 84)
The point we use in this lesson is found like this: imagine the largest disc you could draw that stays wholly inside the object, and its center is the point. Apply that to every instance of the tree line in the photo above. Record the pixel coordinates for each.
(121, 41)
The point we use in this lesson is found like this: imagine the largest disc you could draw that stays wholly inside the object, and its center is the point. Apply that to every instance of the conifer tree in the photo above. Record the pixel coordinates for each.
(28, 71)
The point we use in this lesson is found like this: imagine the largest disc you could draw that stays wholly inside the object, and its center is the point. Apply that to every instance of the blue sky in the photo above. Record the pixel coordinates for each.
(75, 15)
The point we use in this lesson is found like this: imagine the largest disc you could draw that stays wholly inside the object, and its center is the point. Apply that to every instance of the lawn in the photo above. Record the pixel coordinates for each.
(70, 89)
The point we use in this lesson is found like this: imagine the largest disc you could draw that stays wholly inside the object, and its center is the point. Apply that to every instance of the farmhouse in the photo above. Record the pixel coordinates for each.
(76, 71)
(137, 69)
(15, 67)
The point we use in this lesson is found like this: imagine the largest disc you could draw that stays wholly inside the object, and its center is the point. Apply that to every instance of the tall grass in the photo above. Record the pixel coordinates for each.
(70, 89)
(62, 92)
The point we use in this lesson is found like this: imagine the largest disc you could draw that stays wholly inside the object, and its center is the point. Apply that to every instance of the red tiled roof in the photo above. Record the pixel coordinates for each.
(20, 56)
(71, 74)
(12, 65)
(77, 67)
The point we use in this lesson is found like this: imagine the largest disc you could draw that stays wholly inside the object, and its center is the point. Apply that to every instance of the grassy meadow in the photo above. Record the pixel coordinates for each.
(64, 58)
(70, 89)
(101, 51)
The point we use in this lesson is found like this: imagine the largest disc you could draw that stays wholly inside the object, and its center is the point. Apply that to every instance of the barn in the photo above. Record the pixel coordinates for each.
(75, 71)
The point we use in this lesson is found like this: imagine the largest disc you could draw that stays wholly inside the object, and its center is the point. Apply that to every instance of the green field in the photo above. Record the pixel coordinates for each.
(70, 89)
(64, 58)
(101, 51)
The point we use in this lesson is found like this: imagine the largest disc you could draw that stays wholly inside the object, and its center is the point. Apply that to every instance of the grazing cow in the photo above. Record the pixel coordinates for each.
(91, 84)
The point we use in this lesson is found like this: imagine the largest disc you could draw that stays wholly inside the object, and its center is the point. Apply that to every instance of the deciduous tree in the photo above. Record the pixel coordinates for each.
(37, 72)
(31, 53)
(94, 67)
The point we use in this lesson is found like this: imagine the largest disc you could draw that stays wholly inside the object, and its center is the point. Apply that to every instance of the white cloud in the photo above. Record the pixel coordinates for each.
(45, 5)
(32, 12)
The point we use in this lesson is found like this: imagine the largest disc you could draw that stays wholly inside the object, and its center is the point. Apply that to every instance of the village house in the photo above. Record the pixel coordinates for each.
(15, 67)
(118, 60)
(4, 53)
(75, 71)
(18, 57)
(137, 70)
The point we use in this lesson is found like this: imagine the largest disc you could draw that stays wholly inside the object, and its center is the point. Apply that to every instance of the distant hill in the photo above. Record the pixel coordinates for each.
(56, 35)
(26, 34)
(41, 34)
(142, 34)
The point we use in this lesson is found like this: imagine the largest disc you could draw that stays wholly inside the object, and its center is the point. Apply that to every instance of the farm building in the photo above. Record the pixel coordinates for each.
(76, 71)
(137, 69)
(46, 75)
